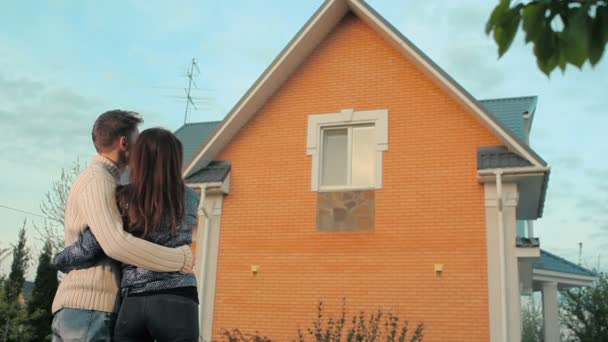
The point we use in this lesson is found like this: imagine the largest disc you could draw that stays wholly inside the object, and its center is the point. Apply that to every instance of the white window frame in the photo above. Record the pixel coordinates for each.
(344, 119)
(349, 151)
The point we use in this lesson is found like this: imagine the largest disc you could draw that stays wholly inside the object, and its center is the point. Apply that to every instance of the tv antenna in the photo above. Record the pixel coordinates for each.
(189, 100)
(192, 102)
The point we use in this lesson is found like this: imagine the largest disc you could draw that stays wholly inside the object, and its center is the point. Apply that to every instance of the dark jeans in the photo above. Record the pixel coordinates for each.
(160, 317)
(76, 325)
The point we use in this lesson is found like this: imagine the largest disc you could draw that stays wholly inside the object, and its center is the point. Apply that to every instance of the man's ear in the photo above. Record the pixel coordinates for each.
(123, 144)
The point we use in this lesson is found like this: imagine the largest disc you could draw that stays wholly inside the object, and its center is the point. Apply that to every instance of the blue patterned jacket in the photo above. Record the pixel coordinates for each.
(86, 252)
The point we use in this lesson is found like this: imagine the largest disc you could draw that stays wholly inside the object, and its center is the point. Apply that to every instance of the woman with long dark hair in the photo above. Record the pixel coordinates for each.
(158, 207)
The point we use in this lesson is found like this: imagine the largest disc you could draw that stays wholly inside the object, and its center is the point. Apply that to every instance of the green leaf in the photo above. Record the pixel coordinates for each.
(548, 65)
(562, 61)
(599, 36)
(497, 13)
(533, 18)
(506, 29)
(546, 49)
(602, 19)
(576, 36)
(596, 50)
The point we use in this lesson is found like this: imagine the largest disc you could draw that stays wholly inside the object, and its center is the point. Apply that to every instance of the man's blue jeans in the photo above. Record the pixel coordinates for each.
(72, 325)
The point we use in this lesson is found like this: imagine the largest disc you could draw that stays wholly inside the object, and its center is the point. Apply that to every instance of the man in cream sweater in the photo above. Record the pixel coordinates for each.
(87, 299)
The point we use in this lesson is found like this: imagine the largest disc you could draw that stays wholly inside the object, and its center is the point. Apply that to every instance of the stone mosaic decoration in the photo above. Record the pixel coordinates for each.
(345, 211)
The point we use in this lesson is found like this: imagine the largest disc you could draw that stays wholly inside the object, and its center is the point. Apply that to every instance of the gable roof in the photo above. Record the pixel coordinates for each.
(192, 135)
(299, 48)
(552, 262)
(510, 112)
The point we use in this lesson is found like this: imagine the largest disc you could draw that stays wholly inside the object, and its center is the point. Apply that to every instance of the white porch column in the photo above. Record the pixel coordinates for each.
(208, 264)
(513, 291)
(496, 286)
(503, 271)
(530, 231)
(550, 312)
(207, 251)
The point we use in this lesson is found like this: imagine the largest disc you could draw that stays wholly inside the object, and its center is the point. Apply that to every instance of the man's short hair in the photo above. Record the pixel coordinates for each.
(112, 125)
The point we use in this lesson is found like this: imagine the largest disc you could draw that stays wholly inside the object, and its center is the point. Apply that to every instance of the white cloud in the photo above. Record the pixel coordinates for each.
(40, 120)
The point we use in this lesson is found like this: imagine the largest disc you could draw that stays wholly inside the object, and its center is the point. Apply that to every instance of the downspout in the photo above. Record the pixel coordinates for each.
(205, 249)
(501, 251)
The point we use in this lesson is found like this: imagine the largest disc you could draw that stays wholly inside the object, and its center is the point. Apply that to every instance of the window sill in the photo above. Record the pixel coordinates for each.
(345, 188)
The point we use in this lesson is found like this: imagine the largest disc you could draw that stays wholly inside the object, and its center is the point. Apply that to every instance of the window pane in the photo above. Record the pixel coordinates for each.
(363, 156)
(335, 157)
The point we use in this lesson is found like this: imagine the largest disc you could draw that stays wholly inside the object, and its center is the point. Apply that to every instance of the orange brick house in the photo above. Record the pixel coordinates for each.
(356, 168)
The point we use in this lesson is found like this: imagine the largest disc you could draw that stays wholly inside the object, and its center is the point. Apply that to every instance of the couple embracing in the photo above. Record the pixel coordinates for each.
(128, 261)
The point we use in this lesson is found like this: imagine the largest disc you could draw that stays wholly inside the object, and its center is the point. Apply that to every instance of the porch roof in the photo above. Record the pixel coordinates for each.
(552, 262)
(550, 268)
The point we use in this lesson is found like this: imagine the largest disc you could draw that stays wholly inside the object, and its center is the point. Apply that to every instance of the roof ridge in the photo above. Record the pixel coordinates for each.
(568, 262)
(509, 98)
(200, 122)
(187, 124)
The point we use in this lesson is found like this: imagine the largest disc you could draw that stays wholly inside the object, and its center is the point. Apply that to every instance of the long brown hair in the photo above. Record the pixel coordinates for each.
(155, 196)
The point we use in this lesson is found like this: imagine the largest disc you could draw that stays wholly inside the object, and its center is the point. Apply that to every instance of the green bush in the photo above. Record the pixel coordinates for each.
(235, 335)
(375, 327)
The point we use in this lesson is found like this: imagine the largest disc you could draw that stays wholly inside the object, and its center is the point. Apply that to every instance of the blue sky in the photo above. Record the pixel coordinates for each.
(64, 62)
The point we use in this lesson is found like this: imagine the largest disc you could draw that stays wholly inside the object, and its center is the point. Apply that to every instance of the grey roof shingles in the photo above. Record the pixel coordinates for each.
(193, 135)
(552, 262)
(510, 112)
(489, 157)
(216, 171)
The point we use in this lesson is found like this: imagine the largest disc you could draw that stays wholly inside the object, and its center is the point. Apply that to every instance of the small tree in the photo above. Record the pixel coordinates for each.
(4, 253)
(53, 206)
(19, 266)
(13, 325)
(531, 322)
(15, 328)
(585, 311)
(236, 335)
(45, 286)
(4, 311)
(378, 327)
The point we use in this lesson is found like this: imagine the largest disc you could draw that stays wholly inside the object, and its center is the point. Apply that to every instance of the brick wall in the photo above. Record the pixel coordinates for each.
(429, 211)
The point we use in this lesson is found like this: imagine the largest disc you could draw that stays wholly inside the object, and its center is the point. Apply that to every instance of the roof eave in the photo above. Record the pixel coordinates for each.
(517, 173)
(563, 278)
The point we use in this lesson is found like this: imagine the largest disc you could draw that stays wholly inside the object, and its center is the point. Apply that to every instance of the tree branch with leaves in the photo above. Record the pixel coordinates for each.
(585, 311)
(562, 31)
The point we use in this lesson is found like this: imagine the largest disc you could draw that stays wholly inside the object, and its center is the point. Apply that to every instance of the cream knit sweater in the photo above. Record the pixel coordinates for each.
(92, 203)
